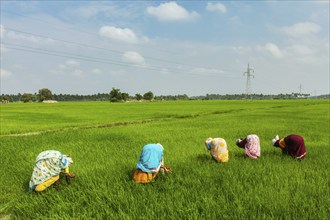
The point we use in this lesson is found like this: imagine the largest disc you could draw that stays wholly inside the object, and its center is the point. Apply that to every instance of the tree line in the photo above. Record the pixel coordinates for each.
(115, 95)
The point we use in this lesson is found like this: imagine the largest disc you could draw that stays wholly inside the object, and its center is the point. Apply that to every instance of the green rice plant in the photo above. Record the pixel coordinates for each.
(272, 187)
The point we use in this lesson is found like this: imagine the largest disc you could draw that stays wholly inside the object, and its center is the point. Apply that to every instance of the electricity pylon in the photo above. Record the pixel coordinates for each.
(248, 81)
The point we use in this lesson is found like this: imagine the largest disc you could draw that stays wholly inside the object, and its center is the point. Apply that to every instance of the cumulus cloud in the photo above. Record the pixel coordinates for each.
(25, 37)
(120, 34)
(134, 58)
(93, 10)
(301, 29)
(171, 11)
(3, 49)
(5, 73)
(217, 7)
(70, 67)
(274, 50)
(2, 31)
(207, 71)
(301, 50)
(96, 71)
(72, 63)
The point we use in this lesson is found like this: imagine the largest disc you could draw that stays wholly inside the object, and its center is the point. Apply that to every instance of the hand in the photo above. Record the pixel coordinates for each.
(166, 169)
(69, 176)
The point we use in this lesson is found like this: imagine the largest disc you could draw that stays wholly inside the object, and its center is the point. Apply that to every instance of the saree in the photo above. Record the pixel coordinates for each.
(149, 163)
(294, 145)
(218, 149)
(48, 164)
(252, 146)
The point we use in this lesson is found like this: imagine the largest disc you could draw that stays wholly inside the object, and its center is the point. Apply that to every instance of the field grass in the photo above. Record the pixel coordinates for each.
(105, 141)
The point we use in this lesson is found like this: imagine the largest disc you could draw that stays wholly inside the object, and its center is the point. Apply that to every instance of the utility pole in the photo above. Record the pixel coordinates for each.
(248, 81)
(300, 88)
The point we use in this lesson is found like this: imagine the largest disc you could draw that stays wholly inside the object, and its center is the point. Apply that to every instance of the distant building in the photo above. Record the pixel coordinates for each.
(49, 101)
(4, 101)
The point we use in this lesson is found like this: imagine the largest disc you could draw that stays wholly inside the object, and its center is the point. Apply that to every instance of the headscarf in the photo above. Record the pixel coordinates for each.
(252, 146)
(151, 158)
(48, 163)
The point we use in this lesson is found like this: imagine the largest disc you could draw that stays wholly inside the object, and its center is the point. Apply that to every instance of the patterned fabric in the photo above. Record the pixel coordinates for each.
(252, 146)
(293, 145)
(151, 158)
(48, 164)
(218, 149)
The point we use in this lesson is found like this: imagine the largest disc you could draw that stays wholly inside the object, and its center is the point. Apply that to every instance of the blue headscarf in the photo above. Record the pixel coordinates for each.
(150, 158)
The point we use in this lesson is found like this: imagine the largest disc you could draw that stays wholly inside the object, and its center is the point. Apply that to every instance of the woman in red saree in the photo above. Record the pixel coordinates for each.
(293, 145)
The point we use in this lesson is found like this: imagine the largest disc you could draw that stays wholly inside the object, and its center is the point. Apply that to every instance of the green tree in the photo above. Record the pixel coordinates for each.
(148, 96)
(44, 94)
(125, 96)
(138, 96)
(115, 95)
(27, 97)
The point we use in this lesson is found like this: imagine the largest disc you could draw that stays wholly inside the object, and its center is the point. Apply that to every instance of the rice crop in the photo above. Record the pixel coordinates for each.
(105, 141)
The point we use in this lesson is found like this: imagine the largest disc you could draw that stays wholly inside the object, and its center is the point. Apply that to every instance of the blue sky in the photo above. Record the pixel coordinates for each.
(167, 47)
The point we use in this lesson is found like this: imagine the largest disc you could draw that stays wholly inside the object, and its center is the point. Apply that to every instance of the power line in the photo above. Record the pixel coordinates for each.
(87, 58)
(33, 50)
(95, 47)
(70, 29)
(53, 24)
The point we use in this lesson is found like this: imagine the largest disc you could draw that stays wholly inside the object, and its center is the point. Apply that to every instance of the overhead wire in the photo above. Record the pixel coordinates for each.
(95, 47)
(90, 59)
(69, 29)
(81, 57)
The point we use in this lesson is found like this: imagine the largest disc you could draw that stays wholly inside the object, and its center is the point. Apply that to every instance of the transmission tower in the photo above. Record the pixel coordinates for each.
(300, 88)
(248, 81)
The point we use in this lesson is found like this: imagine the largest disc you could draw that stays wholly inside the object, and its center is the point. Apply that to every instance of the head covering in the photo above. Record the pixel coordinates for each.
(274, 140)
(151, 158)
(48, 163)
(241, 142)
(252, 146)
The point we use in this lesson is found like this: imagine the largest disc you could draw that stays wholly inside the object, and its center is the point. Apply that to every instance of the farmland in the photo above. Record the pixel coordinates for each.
(105, 140)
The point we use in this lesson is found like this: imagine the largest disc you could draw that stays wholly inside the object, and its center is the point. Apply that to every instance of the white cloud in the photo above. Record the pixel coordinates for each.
(171, 11)
(2, 31)
(134, 58)
(165, 71)
(5, 73)
(218, 7)
(206, 71)
(28, 38)
(322, 1)
(274, 50)
(120, 34)
(96, 71)
(3, 49)
(301, 29)
(301, 50)
(93, 10)
(72, 63)
(70, 67)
